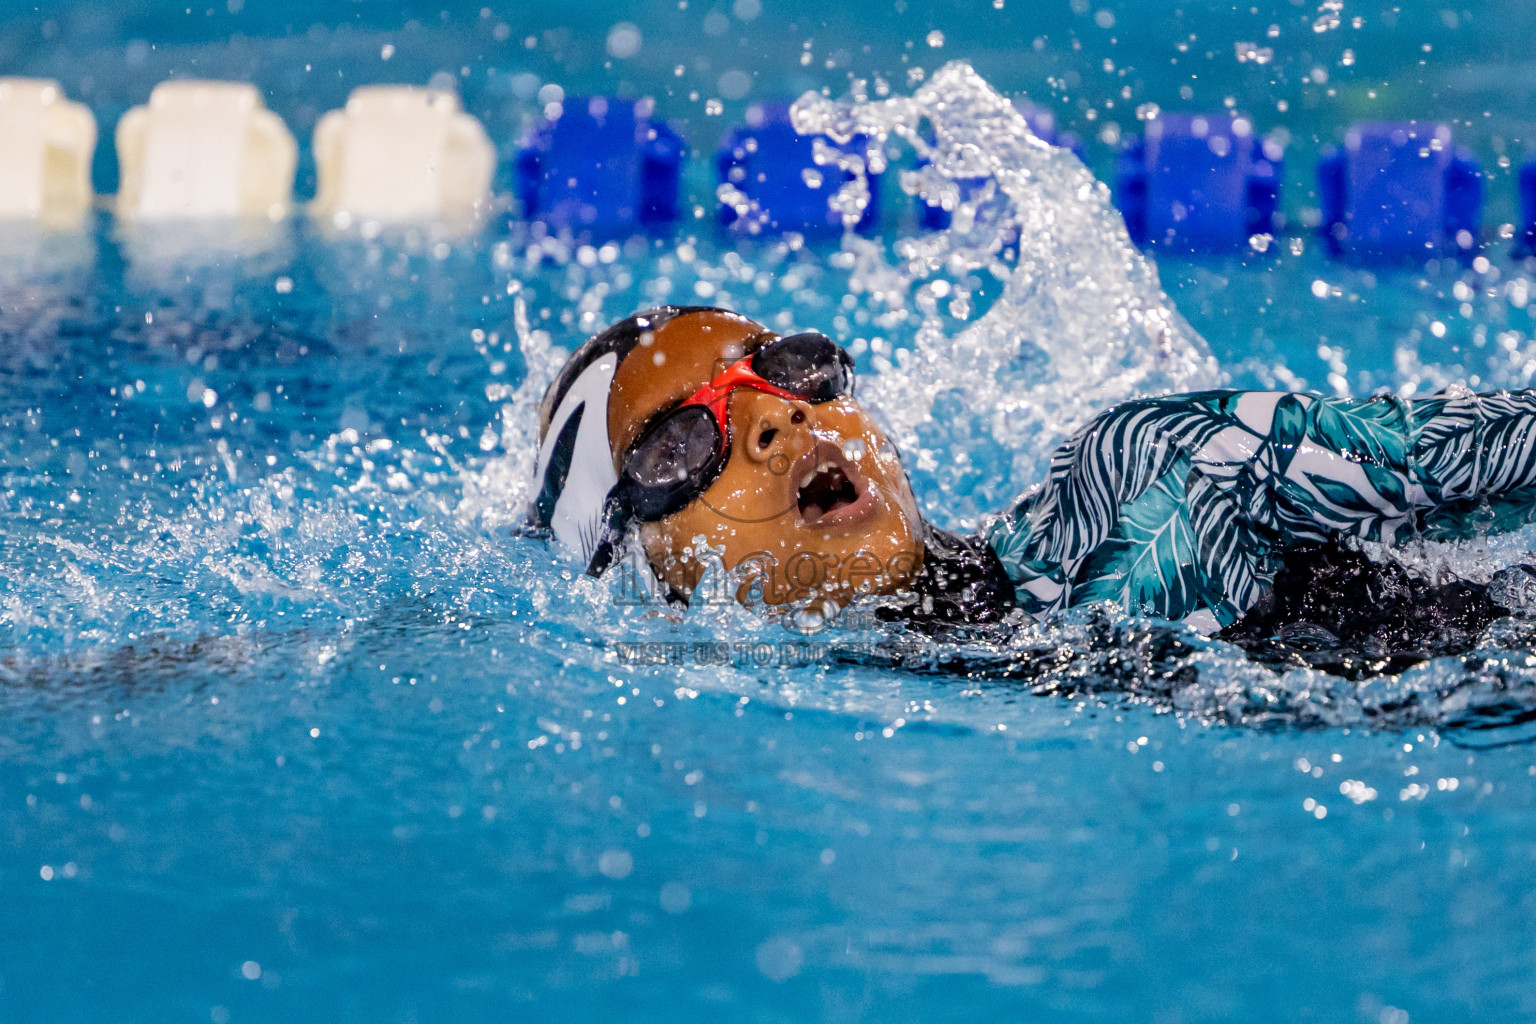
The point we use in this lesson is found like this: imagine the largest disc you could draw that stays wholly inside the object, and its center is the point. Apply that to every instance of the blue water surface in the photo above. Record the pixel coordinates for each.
(293, 733)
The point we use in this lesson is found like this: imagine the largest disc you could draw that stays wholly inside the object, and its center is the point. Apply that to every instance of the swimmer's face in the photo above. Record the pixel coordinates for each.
(812, 499)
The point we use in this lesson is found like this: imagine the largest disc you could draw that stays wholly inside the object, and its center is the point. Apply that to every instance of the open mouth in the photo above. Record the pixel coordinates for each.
(825, 489)
(830, 491)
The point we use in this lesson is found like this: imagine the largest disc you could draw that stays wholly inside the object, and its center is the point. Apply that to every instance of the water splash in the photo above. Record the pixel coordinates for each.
(497, 494)
(1080, 321)
(989, 341)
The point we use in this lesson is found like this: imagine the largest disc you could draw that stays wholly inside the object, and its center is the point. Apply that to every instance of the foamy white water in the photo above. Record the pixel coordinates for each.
(1079, 320)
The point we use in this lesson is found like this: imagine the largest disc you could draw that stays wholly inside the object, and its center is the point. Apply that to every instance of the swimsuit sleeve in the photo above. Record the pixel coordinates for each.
(1112, 521)
(1474, 463)
(1387, 469)
(1183, 507)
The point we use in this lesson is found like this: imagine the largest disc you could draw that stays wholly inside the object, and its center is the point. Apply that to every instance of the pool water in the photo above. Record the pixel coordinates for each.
(297, 730)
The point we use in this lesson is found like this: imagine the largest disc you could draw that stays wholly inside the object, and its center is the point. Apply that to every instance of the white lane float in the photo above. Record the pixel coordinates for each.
(45, 155)
(201, 150)
(401, 155)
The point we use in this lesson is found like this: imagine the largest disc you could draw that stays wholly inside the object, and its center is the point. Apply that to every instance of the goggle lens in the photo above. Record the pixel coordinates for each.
(810, 364)
(665, 467)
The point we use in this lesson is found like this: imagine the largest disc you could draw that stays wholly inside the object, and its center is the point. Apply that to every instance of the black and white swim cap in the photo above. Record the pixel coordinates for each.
(575, 507)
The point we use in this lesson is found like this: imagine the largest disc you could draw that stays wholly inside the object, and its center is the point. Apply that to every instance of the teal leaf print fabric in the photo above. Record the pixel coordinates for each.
(1148, 561)
(1374, 431)
(1182, 506)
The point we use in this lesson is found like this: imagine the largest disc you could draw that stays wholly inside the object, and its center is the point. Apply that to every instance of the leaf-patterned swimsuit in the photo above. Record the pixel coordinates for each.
(1182, 507)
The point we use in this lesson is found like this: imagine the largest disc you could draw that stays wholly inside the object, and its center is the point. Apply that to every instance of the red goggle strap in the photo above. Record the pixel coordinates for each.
(717, 392)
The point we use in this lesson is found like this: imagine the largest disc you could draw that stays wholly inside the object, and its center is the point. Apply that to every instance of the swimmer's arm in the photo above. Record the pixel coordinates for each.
(1098, 526)
(1475, 463)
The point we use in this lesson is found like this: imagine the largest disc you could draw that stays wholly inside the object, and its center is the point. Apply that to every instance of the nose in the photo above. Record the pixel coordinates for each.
(775, 422)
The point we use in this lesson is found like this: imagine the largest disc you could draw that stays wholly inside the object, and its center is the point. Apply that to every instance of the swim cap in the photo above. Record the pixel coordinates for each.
(577, 502)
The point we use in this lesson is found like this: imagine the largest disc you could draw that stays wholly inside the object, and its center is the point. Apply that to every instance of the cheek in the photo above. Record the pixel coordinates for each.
(883, 455)
(736, 513)
(750, 496)
(880, 460)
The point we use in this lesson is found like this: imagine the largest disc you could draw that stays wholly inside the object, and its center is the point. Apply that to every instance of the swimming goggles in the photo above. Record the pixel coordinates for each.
(681, 453)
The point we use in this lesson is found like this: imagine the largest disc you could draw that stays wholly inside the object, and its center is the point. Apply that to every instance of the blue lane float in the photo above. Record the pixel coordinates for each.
(1400, 191)
(771, 181)
(603, 166)
(1200, 183)
(1525, 245)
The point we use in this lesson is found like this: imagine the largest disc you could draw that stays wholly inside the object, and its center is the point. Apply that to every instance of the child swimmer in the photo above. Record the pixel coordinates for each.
(1230, 511)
